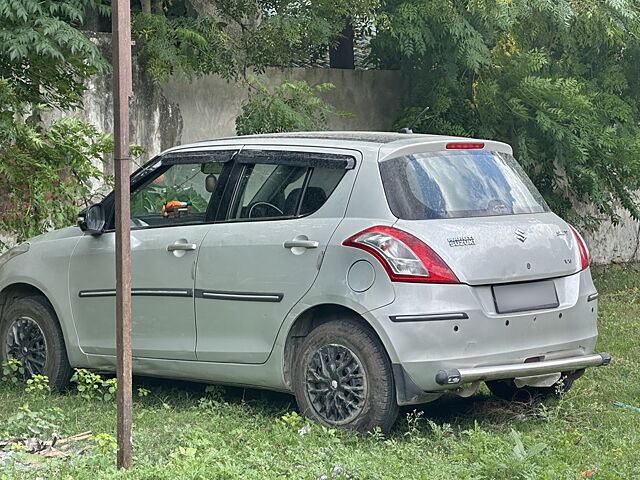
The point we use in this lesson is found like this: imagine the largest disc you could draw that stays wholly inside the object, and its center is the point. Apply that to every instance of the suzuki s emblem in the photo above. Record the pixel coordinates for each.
(520, 234)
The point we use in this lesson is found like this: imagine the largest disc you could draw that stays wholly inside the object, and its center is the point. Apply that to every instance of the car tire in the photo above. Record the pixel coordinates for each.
(40, 347)
(343, 378)
(508, 390)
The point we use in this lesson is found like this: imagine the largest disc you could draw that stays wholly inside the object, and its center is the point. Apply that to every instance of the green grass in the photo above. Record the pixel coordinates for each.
(182, 431)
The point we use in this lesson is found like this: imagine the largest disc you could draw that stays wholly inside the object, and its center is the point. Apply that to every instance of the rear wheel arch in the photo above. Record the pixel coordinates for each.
(309, 320)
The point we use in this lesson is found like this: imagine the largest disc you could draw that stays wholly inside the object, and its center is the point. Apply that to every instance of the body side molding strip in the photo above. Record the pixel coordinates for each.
(140, 292)
(239, 296)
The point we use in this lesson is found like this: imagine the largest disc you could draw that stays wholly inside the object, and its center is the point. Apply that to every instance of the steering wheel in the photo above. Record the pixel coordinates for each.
(265, 204)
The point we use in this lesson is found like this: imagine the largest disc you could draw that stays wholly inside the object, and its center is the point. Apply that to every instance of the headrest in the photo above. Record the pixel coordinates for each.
(210, 183)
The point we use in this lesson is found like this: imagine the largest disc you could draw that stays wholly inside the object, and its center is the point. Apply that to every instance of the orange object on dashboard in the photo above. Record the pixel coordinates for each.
(174, 208)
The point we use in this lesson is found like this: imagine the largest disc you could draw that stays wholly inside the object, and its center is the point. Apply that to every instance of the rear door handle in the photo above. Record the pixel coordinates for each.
(301, 244)
(182, 246)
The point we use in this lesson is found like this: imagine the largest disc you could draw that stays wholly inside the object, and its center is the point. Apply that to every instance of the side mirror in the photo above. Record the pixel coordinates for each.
(92, 220)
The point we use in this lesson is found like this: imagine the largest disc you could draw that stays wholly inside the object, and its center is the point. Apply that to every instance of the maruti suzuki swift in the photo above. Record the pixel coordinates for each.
(359, 271)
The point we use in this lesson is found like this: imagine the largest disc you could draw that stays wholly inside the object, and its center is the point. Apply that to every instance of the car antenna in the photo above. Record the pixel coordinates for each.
(410, 129)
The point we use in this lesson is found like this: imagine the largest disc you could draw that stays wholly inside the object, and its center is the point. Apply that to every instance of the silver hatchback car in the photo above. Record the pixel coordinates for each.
(360, 271)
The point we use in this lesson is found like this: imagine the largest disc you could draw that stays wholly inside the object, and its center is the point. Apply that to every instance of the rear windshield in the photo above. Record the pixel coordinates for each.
(456, 184)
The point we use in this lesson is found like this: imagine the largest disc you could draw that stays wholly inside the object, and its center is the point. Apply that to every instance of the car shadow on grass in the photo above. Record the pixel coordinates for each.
(450, 410)
(186, 393)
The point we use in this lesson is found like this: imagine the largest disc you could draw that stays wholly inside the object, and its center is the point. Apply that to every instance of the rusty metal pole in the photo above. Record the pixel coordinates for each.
(122, 90)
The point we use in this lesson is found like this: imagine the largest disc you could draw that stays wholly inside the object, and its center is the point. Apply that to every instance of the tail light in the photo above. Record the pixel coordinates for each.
(582, 248)
(403, 256)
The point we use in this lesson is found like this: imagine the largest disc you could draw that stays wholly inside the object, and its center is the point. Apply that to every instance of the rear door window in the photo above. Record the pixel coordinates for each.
(466, 183)
(280, 185)
(266, 191)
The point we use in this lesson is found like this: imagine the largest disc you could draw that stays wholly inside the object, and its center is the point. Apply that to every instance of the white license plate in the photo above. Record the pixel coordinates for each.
(520, 297)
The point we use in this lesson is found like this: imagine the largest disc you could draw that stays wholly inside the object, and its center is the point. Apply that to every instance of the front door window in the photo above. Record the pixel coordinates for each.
(178, 195)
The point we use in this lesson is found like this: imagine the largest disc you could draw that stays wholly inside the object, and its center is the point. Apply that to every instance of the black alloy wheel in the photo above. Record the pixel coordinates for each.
(336, 384)
(25, 342)
(342, 377)
(30, 333)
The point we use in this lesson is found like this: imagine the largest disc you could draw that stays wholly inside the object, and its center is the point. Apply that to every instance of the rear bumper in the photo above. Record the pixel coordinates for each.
(433, 328)
(455, 376)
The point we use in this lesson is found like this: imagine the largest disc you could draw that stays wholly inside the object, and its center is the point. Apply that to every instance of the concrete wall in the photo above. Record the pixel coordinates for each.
(177, 112)
(614, 243)
(210, 105)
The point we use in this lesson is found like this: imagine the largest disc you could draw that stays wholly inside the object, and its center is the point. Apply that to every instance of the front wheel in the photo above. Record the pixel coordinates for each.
(30, 333)
(343, 378)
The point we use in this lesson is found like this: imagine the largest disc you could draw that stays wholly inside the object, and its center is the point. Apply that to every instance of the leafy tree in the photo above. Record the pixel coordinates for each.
(557, 80)
(42, 55)
(229, 37)
(44, 61)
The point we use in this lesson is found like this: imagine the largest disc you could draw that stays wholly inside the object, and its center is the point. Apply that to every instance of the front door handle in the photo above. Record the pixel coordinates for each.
(301, 244)
(182, 246)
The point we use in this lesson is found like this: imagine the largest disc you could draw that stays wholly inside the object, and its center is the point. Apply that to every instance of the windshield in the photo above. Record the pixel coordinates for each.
(465, 183)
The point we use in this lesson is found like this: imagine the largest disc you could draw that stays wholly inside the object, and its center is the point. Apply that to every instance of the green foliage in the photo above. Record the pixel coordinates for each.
(46, 173)
(11, 371)
(291, 106)
(291, 419)
(39, 423)
(183, 47)
(237, 437)
(229, 37)
(143, 392)
(92, 386)
(104, 444)
(38, 386)
(42, 55)
(556, 80)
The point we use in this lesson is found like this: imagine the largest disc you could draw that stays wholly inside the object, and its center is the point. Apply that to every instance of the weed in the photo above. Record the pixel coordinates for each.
(143, 392)
(40, 423)
(414, 419)
(92, 386)
(104, 443)
(182, 452)
(215, 393)
(12, 371)
(376, 434)
(38, 386)
(336, 473)
(291, 419)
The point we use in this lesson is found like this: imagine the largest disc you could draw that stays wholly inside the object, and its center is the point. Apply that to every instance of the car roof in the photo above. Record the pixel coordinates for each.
(388, 142)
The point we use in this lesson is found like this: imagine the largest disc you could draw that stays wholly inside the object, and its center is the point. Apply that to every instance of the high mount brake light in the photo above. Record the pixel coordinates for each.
(582, 248)
(403, 256)
(464, 146)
